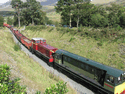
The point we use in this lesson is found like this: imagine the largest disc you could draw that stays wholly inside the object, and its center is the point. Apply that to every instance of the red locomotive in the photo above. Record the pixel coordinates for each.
(35, 45)
(40, 47)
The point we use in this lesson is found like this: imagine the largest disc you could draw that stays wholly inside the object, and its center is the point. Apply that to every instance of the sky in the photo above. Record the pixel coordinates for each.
(3, 1)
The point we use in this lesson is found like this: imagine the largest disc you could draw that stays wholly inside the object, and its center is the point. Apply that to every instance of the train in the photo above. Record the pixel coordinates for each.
(104, 79)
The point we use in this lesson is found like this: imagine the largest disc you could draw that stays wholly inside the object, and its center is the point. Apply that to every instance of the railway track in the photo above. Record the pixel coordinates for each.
(72, 82)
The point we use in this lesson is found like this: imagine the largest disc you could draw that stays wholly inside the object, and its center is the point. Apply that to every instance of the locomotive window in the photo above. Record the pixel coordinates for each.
(37, 41)
(43, 40)
(110, 79)
(123, 76)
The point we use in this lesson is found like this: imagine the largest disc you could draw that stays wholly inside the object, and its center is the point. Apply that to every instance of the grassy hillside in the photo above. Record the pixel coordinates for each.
(54, 16)
(110, 53)
(32, 74)
(101, 1)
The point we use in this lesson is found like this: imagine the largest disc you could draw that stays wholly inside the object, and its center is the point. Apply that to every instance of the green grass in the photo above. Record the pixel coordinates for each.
(101, 1)
(54, 16)
(106, 52)
(35, 75)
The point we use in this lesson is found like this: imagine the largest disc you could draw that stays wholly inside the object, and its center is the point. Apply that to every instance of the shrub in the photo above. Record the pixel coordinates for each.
(122, 20)
(71, 39)
(98, 20)
(8, 86)
(80, 28)
(51, 29)
(56, 24)
(60, 88)
(17, 47)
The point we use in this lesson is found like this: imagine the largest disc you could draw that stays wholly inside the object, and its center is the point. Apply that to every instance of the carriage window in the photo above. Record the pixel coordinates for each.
(87, 67)
(110, 79)
(92, 70)
(65, 58)
(82, 65)
(69, 60)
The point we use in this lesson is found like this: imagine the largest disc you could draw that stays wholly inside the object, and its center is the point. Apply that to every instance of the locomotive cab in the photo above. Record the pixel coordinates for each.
(115, 83)
(36, 41)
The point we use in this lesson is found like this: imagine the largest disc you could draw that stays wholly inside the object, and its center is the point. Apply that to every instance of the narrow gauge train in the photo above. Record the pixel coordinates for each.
(105, 79)
(35, 45)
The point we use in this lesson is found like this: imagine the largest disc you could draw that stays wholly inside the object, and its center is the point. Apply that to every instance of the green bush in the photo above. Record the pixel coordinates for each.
(80, 29)
(8, 86)
(17, 47)
(56, 24)
(122, 20)
(51, 29)
(60, 88)
(98, 20)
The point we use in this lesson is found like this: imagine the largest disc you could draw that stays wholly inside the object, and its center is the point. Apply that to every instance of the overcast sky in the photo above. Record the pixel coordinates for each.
(3, 1)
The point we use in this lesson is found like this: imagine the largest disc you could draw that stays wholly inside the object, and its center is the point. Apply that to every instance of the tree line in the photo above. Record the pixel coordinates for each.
(28, 12)
(81, 12)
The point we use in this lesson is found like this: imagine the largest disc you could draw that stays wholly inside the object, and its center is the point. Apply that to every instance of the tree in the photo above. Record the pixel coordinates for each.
(66, 7)
(17, 5)
(34, 10)
(9, 21)
(122, 20)
(97, 20)
(115, 13)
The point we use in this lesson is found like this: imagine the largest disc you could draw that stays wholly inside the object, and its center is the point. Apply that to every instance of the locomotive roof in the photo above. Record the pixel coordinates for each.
(110, 70)
(48, 46)
(38, 38)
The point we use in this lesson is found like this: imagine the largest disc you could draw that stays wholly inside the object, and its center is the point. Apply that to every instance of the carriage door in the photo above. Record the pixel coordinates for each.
(58, 58)
(100, 76)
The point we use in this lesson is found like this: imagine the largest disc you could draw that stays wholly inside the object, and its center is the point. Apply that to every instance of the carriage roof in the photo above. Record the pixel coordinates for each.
(110, 70)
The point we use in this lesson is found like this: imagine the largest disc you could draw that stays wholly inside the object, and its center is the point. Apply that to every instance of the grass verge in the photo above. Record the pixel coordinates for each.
(32, 74)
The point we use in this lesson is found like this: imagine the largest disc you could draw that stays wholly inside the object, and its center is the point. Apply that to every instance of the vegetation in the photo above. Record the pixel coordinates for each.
(12, 86)
(10, 21)
(59, 89)
(7, 85)
(28, 12)
(87, 14)
(6, 13)
(96, 44)
(17, 47)
(1, 21)
(33, 75)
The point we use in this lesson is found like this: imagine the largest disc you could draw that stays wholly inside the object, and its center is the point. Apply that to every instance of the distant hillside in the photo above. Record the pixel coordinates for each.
(7, 7)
